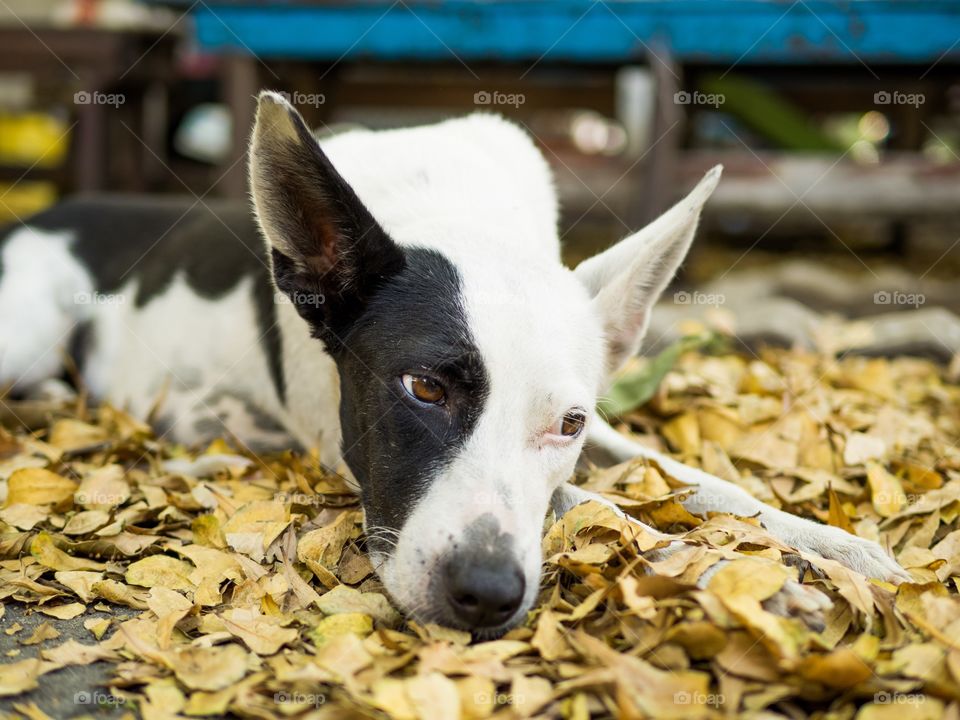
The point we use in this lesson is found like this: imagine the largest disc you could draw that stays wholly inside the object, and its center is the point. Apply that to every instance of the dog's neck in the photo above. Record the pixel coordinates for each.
(312, 388)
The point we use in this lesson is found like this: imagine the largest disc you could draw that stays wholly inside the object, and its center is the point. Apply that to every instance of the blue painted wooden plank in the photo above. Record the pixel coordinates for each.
(617, 31)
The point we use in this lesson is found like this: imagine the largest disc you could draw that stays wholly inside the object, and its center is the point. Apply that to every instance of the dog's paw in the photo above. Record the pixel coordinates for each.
(792, 600)
(859, 554)
(795, 600)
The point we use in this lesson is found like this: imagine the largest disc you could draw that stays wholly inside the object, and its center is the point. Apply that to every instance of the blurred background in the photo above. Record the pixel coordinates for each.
(838, 124)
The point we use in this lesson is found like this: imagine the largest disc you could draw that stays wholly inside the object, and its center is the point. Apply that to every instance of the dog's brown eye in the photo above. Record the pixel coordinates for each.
(424, 389)
(572, 423)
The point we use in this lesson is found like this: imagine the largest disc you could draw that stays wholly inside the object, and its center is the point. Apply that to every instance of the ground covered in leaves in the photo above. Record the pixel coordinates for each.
(245, 589)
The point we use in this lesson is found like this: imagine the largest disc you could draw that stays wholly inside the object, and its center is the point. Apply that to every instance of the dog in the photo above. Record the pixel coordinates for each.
(396, 300)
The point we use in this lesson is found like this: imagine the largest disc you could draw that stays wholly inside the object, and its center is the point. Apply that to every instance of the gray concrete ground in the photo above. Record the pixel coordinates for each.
(72, 691)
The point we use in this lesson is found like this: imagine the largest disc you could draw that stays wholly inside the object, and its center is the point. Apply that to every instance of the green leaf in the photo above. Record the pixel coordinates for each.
(632, 390)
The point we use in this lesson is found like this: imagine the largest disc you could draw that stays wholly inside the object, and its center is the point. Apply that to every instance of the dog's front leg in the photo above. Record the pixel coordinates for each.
(793, 600)
(715, 495)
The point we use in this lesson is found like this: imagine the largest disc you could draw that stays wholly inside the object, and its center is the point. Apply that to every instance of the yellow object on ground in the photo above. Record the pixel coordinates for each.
(33, 139)
(19, 200)
(30, 141)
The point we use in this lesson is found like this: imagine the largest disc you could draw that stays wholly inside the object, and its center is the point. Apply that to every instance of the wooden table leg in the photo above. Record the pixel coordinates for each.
(154, 114)
(240, 87)
(654, 184)
(90, 147)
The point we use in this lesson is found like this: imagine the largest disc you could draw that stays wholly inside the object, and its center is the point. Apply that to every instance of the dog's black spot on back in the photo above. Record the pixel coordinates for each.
(213, 245)
(394, 446)
(80, 341)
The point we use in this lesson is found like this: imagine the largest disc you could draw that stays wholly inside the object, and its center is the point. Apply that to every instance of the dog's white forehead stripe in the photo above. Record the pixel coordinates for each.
(538, 335)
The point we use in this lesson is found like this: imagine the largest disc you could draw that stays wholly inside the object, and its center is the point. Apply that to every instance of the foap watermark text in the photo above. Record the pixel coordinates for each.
(685, 297)
(299, 298)
(895, 97)
(683, 97)
(98, 298)
(291, 697)
(895, 297)
(302, 99)
(494, 97)
(698, 698)
(95, 97)
(896, 698)
(97, 697)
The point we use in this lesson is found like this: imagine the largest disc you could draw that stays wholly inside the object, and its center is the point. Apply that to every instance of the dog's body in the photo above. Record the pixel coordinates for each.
(459, 364)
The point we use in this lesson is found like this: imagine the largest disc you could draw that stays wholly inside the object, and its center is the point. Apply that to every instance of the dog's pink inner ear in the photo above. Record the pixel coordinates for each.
(326, 243)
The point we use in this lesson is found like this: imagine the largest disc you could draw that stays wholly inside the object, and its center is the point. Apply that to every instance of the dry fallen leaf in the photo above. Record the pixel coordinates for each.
(36, 486)
(210, 668)
(160, 570)
(263, 634)
(18, 677)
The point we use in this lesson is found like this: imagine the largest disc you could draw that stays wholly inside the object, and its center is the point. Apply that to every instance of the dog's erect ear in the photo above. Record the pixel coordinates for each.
(627, 279)
(328, 253)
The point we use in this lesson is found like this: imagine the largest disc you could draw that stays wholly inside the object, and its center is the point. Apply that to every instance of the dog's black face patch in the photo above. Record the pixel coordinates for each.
(394, 444)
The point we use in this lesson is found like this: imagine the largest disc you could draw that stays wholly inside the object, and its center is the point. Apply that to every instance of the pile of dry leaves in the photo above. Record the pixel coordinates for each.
(252, 595)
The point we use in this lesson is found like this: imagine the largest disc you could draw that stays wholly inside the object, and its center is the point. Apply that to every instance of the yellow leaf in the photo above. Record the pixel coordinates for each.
(70, 434)
(752, 578)
(322, 547)
(44, 631)
(97, 626)
(86, 522)
(477, 697)
(766, 448)
(210, 668)
(842, 668)
(837, 517)
(160, 570)
(23, 516)
(357, 624)
(901, 706)
(170, 607)
(35, 486)
(19, 677)
(49, 555)
(702, 640)
(263, 634)
(550, 639)
(683, 433)
(119, 593)
(886, 492)
(64, 612)
(861, 447)
(103, 489)
(206, 531)
(433, 697)
(253, 527)
(80, 581)
(343, 599)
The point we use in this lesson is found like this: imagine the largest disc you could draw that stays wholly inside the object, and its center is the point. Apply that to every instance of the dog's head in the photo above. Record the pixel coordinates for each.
(467, 380)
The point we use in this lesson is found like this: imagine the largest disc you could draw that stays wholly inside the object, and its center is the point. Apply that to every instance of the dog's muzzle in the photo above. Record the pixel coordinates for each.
(481, 581)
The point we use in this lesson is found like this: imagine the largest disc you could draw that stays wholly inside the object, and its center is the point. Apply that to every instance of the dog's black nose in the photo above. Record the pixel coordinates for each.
(484, 591)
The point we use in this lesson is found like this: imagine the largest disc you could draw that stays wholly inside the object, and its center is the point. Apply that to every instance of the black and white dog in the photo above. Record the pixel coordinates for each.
(408, 315)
